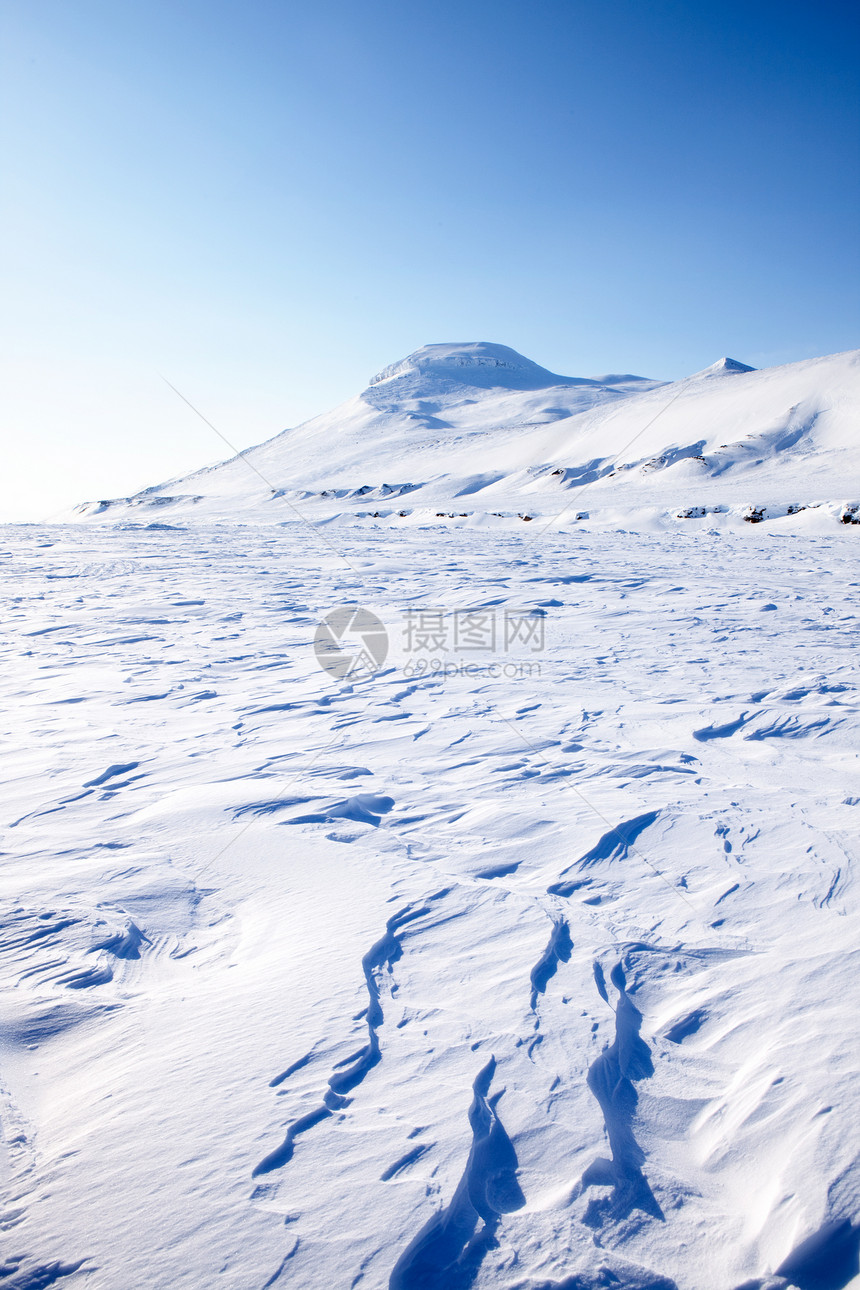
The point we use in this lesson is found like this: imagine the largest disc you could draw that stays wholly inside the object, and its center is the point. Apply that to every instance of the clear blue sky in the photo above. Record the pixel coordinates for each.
(268, 201)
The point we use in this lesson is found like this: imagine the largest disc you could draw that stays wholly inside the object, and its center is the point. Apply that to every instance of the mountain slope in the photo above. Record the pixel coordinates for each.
(477, 432)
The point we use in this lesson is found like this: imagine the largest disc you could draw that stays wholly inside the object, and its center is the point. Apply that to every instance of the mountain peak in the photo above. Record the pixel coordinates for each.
(481, 364)
(724, 367)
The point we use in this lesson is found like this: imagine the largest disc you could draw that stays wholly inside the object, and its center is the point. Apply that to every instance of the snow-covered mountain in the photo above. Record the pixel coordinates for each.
(478, 434)
(424, 899)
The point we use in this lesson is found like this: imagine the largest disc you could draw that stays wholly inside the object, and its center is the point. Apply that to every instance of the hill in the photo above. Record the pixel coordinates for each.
(478, 434)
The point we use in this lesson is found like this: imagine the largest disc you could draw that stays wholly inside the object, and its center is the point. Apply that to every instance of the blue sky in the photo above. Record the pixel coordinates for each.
(267, 202)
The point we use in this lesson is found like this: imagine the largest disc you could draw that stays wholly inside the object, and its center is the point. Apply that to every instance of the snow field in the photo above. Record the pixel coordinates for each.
(451, 980)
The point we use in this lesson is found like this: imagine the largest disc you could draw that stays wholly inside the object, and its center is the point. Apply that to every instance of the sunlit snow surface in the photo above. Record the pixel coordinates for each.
(526, 980)
(477, 435)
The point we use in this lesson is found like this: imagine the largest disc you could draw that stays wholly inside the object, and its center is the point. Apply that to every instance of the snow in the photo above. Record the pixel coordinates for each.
(476, 365)
(482, 423)
(519, 966)
(723, 367)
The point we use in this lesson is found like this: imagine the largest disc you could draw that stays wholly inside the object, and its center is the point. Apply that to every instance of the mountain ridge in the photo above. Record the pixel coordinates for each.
(479, 420)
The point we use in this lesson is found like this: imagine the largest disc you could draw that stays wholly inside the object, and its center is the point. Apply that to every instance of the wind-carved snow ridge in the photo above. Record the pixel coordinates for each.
(27, 1276)
(611, 1079)
(558, 950)
(381, 955)
(614, 845)
(384, 954)
(448, 1251)
(827, 1260)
